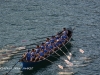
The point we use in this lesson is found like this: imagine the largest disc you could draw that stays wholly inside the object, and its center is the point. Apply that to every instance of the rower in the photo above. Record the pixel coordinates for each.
(37, 57)
(47, 41)
(57, 36)
(58, 43)
(52, 39)
(42, 46)
(28, 56)
(45, 53)
(54, 46)
(37, 49)
(33, 54)
(50, 48)
(64, 38)
(41, 53)
(23, 57)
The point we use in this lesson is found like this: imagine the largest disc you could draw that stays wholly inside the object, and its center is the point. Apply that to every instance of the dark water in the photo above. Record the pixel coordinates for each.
(24, 22)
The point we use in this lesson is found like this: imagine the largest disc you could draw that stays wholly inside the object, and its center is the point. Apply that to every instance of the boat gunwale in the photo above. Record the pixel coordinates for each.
(53, 52)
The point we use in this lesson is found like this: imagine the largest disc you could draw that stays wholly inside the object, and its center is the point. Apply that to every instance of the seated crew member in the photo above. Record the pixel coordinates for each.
(28, 56)
(37, 57)
(41, 53)
(58, 43)
(50, 48)
(37, 49)
(45, 53)
(52, 40)
(42, 46)
(47, 41)
(54, 46)
(64, 38)
(23, 57)
(57, 36)
(33, 54)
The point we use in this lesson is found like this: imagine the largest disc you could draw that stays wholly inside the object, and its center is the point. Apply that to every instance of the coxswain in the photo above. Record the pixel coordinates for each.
(65, 31)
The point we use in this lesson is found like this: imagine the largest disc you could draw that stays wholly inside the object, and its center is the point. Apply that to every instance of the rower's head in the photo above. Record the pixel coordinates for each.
(28, 50)
(37, 46)
(53, 37)
(42, 43)
(48, 39)
(64, 29)
(33, 50)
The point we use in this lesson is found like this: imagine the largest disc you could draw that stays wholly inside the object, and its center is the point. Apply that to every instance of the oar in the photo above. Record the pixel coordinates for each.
(68, 62)
(12, 67)
(61, 67)
(64, 53)
(56, 53)
(67, 49)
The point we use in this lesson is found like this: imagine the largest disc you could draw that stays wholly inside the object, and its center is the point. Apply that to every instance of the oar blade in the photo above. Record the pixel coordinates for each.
(68, 57)
(69, 63)
(70, 54)
(66, 61)
(61, 67)
(82, 51)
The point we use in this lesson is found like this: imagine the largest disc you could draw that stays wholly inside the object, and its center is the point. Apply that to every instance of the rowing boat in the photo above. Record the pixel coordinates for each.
(35, 65)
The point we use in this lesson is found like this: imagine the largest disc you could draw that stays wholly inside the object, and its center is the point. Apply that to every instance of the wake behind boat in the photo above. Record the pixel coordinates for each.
(46, 52)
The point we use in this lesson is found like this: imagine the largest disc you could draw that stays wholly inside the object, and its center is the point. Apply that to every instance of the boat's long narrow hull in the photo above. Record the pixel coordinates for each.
(33, 65)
